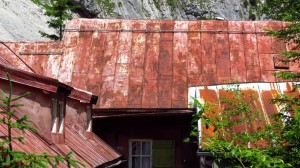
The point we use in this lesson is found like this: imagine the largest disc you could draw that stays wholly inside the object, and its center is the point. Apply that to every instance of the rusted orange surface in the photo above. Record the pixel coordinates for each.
(257, 95)
(151, 63)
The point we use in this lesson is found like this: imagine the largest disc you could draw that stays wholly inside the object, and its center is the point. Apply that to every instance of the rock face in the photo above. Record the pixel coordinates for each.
(22, 19)
(172, 9)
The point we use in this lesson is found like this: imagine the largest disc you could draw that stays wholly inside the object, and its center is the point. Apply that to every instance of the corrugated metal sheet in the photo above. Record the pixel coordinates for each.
(33, 143)
(257, 94)
(92, 152)
(151, 63)
(3, 61)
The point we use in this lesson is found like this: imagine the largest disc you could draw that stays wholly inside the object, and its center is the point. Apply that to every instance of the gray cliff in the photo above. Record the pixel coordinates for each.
(22, 19)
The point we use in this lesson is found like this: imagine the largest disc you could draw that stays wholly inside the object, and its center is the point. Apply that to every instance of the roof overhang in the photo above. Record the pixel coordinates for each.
(45, 83)
(140, 112)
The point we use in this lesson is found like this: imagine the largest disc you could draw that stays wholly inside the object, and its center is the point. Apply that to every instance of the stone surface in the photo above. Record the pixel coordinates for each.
(22, 19)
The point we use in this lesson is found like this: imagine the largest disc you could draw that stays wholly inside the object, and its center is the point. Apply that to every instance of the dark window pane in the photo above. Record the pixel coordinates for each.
(146, 162)
(145, 148)
(135, 162)
(136, 148)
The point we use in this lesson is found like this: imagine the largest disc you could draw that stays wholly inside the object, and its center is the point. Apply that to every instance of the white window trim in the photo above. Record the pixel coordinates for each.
(61, 116)
(130, 150)
(57, 110)
(54, 115)
(89, 119)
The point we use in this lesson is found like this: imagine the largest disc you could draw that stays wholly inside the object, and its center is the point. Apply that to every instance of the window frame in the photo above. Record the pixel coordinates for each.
(89, 118)
(130, 156)
(58, 116)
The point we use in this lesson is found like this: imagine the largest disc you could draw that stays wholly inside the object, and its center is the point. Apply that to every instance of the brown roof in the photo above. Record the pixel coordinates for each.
(33, 143)
(93, 151)
(42, 82)
(90, 151)
(151, 63)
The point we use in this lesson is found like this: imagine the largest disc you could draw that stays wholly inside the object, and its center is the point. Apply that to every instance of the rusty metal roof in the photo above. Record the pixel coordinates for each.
(92, 152)
(257, 94)
(33, 143)
(42, 82)
(86, 150)
(151, 63)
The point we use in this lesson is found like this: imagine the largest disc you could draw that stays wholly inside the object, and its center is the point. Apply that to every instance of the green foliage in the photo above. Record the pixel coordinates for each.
(57, 10)
(286, 10)
(172, 3)
(120, 4)
(107, 6)
(240, 137)
(276, 144)
(157, 4)
(13, 158)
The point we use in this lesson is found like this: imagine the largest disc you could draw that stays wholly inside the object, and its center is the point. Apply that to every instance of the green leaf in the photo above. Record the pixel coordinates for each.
(21, 96)
(70, 154)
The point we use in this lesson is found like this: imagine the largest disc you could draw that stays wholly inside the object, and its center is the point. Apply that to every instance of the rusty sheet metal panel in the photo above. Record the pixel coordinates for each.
(122, 66)
(194, 59)
(251, 53)
(8, 51)
(93, 151)
(110, 55)
(140, 60)
(37, 57)
(4, 62)
(222, 53)
(237, 52)
(150, 88)
(208, 49)
(180, 65)
(151, 63)
(165, 64)
(70, 42)
(136, 66)
(33, 143)
(209, 94)
(258, 94)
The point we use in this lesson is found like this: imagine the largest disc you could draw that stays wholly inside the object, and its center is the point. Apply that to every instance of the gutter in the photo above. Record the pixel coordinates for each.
(112, 163)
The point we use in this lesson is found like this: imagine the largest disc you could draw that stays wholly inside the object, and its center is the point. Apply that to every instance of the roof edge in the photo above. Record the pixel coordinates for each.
(45, 83)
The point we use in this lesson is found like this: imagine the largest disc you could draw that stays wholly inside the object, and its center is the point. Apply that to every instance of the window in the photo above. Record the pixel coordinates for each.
(58, 108)
(147, 153)
(88, 119)
(140, 153)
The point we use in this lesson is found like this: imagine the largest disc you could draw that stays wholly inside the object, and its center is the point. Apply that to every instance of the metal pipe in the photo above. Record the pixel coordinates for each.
(40, 53)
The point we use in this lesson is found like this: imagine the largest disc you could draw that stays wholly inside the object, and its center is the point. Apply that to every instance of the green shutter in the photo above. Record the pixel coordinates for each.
(163, 154)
